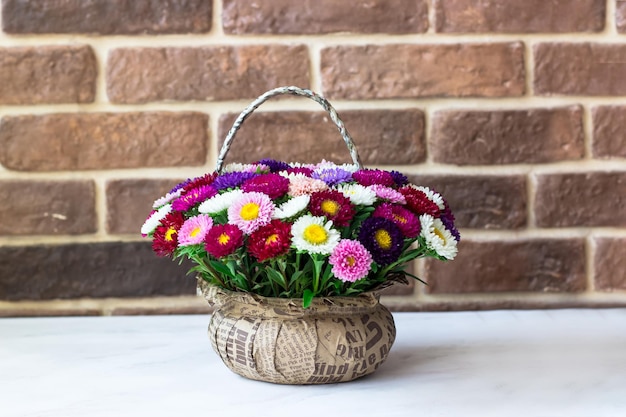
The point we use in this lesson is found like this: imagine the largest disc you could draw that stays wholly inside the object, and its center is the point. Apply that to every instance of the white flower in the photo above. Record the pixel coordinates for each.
(292, 207)
(358, 194)
(219, 202)
(314, 235)
(349, 167)
(432, 195)
(155, 218)
(437, 237)
(237, 167)
(167, 198)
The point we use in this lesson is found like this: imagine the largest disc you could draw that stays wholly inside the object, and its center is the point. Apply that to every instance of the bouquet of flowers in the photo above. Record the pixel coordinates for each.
(301, 230)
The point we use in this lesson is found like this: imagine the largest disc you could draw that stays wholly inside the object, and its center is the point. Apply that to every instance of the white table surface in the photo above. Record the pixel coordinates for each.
(566, 363)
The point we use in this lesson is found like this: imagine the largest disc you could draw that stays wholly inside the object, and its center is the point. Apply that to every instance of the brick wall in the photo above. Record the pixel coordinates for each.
(514, 110)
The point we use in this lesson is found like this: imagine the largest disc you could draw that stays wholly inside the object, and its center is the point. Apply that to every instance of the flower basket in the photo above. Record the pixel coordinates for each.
(294, 256)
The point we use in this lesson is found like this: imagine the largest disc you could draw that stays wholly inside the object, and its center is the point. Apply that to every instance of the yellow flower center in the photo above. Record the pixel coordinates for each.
(271, 239)
(440, 235)
(329, 206)
(315, 234)
(249, 211)
(399, 219)
(383, 238)
(195, 232)
(350, 260)
(169, 235)
(223, 239)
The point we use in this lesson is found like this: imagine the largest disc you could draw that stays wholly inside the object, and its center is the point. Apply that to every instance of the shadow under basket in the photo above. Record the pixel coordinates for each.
(335, 339)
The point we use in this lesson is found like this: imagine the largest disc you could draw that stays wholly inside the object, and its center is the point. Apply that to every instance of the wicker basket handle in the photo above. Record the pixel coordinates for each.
(296, 92)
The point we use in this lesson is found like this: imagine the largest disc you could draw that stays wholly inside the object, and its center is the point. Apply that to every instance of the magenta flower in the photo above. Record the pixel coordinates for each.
(408, 222)
(374, 176)
(350, 260)
(193, 197)
(274, 185)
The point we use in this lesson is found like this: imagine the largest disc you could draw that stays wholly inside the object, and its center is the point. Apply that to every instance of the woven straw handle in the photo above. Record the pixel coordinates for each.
(296, 92)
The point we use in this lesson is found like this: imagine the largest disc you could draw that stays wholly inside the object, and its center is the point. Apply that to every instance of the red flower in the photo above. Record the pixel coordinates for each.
(273, 185)
(165, 238)
(270, 241)
(333, 205)
(206, 179)
(223, 239)
(418, 202)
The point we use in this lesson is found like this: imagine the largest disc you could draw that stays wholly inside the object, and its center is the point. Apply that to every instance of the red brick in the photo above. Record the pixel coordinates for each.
(528, 16)
(47, 208)
(106, 16)
(482, 201)
(407, 71)
(468, 137)
(112, 269)
(129, 202)
(141, 75)
(590, 69)
(538, 265)
(382, 137)
(589, 199)
(620, 16)
(610, 264)
(609, 131)
(325, 16)
(47, 75)
(77, 141)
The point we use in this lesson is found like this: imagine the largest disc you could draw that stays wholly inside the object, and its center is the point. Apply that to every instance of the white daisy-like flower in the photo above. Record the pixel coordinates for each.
(433, 196)
(219, 202)
(301, 165)
(167, 198)
(437, 237)
(291, 207)
(155, 218)
(314, 234)
(350, 167)
(358, 194)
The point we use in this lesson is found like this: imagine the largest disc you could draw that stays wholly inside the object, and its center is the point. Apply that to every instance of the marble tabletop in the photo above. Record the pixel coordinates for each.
(569, 363)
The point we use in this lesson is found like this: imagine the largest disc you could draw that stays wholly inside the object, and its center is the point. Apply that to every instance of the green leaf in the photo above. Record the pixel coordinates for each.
(222, 269)
(307, 298)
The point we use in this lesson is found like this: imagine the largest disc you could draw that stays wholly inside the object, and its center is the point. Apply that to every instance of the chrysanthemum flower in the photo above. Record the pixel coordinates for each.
(307, 172)
(193, 231)
(300, 185)
(165, 239)
(358, 194)
(206, 179)
(437, 237)
(251, 211)
(407, 221)
(447, 218)
(314, 235)
(232, 180)
(332, 176)
(333, 205)
(350, 260)
(274, 165)
(167, 198)
(373, 176)
(399, 178)
(192, 197)
(292, 207)
(382, 238)
(273, 185)
(387, 193)
(154, 219)
(220, 202)
(270, 241)
(432, 195)
(222, 240)
(418, 202)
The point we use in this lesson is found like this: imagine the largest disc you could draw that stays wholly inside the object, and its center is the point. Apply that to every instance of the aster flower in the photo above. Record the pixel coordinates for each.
(273, 185)
(307, 172)
(358, 194)
(432, 195)
(198, 182)
(447, 218)
(300, 185)
(220, 202)
(251, 211)
(222, 240)
(314, 235)
(333, 205)
(165, 239)
(154, 219)
(437, 237)
(270, 241)
(180, 186)
(274, 165)
(232, 180)
(418, 202)
(387, 193)
(193, 231)
(382, 238)
(332, 176)
(254, 168)
(408, 222)
(167, 198)
(373, 176)
(292, 207)
(350, 260)
(399, 178)
(192, 197)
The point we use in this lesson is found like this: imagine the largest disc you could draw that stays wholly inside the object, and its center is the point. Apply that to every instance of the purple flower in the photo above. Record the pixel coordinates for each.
(301, 170)
(332, 176)
(232, 179)
(399, 178)
(447, 218)
(274, 165)
(193, 197)
(382, 238)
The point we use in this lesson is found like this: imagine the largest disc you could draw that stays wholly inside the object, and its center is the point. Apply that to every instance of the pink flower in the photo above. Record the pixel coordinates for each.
(301, 185)
(350, 260)
(194, 230)
(408, 222)
(251, 211)
(387, 193)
